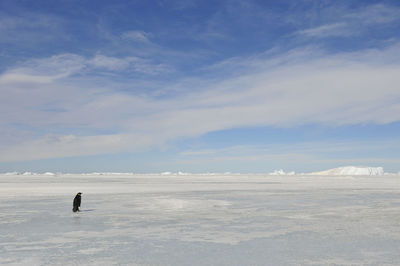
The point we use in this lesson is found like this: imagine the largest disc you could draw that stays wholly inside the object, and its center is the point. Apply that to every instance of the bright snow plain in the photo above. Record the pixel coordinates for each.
(200, 220)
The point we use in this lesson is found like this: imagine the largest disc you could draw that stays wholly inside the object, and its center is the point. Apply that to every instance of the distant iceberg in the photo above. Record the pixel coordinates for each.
(281, 172)
(352, 170)
(49, 174)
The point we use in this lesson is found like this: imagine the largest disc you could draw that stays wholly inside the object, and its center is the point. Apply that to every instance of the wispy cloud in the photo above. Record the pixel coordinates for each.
(133, 64)
(354, 22)
(375, 14)
(136, 36)
(336, 29)
(56, 146)
(45, 70)
(347, 88)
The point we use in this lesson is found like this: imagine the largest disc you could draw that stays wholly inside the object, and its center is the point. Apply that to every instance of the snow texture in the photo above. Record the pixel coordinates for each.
(178, 219)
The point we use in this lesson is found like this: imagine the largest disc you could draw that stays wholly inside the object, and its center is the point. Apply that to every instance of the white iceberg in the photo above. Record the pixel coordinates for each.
(351, 170)
(281, 172)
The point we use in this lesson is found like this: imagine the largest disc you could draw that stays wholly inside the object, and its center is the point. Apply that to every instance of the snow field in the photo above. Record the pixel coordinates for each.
(200, 220)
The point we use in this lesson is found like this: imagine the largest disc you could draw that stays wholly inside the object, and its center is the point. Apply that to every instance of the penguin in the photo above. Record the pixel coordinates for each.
(77, 202)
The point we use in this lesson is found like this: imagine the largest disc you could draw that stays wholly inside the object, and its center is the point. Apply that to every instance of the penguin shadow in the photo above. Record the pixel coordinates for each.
(88, 210)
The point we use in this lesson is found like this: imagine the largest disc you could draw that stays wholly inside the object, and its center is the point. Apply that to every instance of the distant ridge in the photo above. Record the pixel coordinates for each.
(352, 170)
(345, 170)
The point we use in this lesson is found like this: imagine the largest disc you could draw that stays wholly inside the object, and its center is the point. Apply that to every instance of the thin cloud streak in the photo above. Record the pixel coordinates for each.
(329, 30)
(355, 22)
(60, 146)
(136, 36)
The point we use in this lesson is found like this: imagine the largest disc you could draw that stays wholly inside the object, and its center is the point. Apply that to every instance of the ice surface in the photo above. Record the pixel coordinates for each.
(199, 220)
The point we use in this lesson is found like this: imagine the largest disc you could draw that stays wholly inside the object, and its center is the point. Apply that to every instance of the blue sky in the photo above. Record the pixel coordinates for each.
(199, 86)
